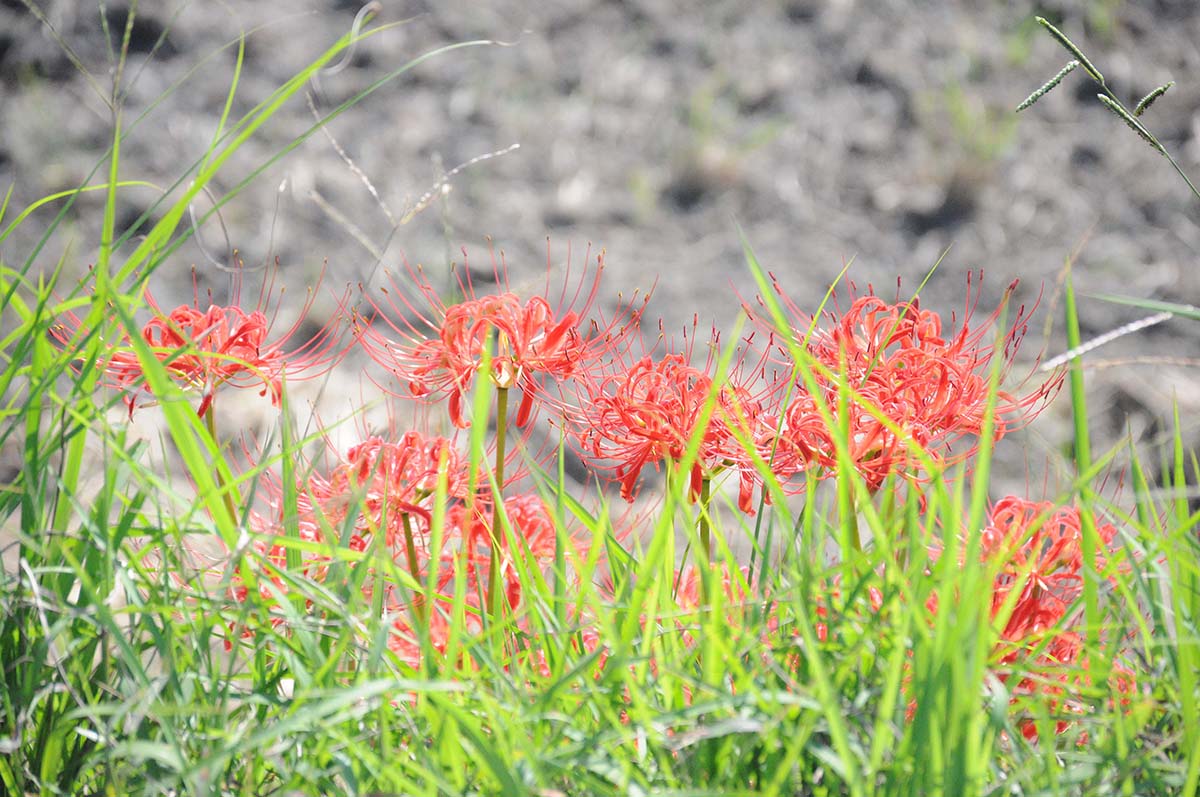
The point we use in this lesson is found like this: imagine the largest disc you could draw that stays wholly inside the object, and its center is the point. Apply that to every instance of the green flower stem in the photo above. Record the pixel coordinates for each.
(210, 422)
(501, 436)
(848, 498)
(706, 573)
(855, 535)
(705, 532)
(414, 567)
(495, 594)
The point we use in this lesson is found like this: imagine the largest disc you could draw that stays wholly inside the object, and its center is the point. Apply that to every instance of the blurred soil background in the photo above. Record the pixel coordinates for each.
(867, 130)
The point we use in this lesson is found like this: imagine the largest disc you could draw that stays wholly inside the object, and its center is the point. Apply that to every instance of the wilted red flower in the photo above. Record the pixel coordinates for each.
(531, 340)
(734, 587)
(205, 349)
(893, 361)
(646, 413)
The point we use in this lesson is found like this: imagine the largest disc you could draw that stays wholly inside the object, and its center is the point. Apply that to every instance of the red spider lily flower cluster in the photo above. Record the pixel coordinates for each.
(385, 491)
(891, 381)
(885, 377)
(465, 560)
(381, 490)
(202, 350)
(895, 383)
(734, 587)
(527, 342)
(1039, 550)
(383, 485)
(1036, 548)
(647, 412)
(1043, 560)
(527, 539)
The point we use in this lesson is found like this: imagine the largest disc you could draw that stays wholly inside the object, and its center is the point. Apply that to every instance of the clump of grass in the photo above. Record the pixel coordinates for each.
(417, 618)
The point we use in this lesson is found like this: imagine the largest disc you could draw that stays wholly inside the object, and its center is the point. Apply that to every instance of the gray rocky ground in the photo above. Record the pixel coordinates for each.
(881, 132)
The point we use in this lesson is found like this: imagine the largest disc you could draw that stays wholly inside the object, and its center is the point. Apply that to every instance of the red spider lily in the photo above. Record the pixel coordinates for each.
(531, 525)
(736, 593)
(467, 556)
(381, 489)
(271, 558)
(893, 361)
(204, 349)
(646, 413)
(275, 553)
(386, 485)
(1045, 561)
(689, 595)
(1039, 547)
(530, 341)
(405, 637)
(532, 529)
(1055, 674)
